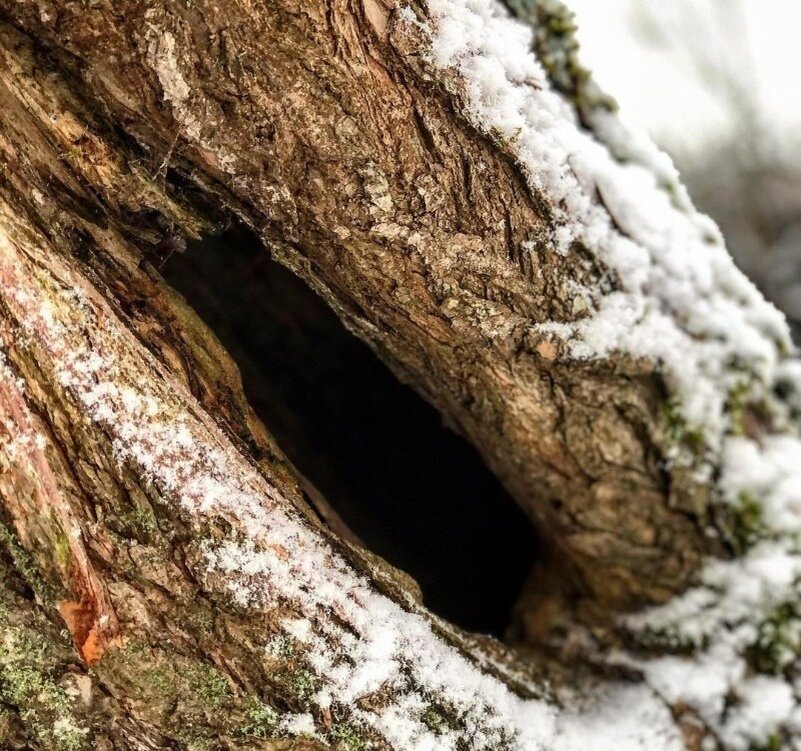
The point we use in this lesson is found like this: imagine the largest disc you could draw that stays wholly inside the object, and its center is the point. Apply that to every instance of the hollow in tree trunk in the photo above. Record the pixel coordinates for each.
(446, 177)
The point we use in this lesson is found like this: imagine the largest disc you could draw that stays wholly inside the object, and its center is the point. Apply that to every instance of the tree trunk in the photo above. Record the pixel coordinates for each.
(509, 250)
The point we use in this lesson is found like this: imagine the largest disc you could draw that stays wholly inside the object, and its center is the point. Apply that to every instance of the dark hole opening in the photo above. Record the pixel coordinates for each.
(413, 491)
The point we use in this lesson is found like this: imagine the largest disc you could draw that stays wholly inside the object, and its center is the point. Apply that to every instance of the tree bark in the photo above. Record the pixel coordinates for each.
(287, 112)
(147, 509)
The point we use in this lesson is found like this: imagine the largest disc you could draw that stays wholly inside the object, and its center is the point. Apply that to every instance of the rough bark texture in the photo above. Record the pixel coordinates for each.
(126, 125)
(321, 127)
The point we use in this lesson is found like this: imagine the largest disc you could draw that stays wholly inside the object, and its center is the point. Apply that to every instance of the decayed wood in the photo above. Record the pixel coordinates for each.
(105, 549)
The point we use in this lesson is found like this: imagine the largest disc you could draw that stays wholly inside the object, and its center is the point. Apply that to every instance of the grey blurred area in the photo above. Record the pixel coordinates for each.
(754, 194)
(715, 82)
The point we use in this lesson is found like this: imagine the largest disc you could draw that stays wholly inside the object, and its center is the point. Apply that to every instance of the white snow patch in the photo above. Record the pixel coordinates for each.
(300, 629)
(617, 717)
(298, 724)
(764, 704)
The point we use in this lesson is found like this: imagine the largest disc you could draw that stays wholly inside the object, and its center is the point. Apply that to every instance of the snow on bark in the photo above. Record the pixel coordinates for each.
(356, 641)
(678, 300)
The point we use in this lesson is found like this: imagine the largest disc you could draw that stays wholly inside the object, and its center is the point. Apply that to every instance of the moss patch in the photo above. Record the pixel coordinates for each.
(778, 643)
(557, 48)
(261, 720)
(24, 564)
(678, 431)
(28, 683)
(198, 706)
(301, 685)
(746, 521)
(345, 737)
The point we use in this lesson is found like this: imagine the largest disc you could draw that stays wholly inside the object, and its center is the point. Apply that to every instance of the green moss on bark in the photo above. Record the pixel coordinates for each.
(557, 48)
(34, 682)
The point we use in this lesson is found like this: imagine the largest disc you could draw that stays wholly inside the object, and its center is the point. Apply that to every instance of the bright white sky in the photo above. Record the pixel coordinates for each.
(651, 70)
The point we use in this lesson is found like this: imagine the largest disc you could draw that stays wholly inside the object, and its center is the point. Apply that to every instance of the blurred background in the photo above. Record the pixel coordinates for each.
(717, 84)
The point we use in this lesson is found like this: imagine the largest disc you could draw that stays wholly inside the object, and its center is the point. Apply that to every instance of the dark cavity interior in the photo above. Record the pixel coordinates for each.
(413, 491)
